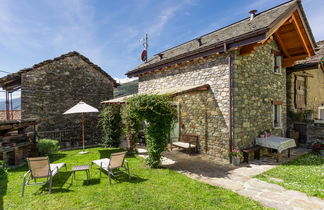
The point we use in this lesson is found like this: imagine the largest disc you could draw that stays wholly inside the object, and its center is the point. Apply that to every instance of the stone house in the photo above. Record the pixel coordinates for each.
(53, 86)
(305, 84)
(234, 78)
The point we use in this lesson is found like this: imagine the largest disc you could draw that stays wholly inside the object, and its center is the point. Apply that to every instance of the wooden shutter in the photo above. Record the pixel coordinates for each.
(300, 92)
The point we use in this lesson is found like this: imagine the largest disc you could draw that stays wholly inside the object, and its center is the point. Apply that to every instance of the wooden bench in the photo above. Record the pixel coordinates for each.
(255, 149)
(187, 142)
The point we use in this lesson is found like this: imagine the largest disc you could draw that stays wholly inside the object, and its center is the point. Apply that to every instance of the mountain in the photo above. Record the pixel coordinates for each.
(125, 89)
(15, 103)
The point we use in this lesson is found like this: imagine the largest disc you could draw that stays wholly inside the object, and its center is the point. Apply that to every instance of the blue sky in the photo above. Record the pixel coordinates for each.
(108, 32)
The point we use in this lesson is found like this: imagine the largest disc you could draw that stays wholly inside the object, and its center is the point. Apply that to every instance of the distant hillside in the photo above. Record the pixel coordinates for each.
(125, 89)
(15, 103)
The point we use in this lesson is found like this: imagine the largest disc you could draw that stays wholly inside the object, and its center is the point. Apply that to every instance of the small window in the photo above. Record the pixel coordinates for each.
(276, 116)
(277, 64)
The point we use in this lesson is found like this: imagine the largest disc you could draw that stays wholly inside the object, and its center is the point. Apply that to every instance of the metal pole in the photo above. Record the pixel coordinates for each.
(7, 106)
(83, 130)
(146, 45)
(11, 105)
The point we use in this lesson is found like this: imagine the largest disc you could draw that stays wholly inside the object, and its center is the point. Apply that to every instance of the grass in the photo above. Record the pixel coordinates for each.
(148, 189)
(305, 174)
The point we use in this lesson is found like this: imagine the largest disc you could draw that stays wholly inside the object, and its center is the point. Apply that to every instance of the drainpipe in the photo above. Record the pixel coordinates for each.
(230, 138)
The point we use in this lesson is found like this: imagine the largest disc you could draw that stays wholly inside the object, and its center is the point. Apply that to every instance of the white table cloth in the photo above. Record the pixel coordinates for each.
(276, 142)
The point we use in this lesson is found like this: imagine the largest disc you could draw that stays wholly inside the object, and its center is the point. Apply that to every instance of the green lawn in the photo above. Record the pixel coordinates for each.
(148, 189)
(305, 174)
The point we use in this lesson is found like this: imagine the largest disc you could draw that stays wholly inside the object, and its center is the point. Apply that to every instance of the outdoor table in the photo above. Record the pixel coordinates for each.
(85, 168)
(278, 143)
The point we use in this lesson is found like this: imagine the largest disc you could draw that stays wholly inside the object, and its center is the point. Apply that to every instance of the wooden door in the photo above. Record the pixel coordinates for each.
(175, 130)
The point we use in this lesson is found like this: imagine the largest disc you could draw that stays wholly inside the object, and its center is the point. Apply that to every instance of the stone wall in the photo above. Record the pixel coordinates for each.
(51, 89)
(200, 115)
(255, 87)
(314, 89)
(214, 71)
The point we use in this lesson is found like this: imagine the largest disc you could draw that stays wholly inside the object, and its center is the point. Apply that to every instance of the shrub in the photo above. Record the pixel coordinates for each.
(110, 122)
(47, 146)
(3, 170)
(296, 116)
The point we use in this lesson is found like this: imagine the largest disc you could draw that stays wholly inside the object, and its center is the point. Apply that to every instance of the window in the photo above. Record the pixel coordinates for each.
(276, 62)
(276, 116)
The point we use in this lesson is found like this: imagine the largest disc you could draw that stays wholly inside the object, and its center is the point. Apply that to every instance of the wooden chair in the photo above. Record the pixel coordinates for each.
(113, 165)
(187, 142)
(39, 167)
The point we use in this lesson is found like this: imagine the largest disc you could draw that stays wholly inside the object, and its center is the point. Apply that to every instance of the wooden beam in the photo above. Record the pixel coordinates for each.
(279, 24)
(282, 44)
(307, 32)
(295, 23)
(287, 62)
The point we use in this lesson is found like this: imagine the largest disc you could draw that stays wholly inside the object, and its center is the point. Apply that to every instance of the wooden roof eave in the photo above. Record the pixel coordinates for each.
(273, 27)
(306, 40)
(197, 88)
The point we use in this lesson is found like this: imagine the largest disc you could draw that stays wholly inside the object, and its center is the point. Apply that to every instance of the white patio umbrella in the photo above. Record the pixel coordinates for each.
(82, 108)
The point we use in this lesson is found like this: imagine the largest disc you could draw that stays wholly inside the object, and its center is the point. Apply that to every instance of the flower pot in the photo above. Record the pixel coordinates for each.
(322, 152)
(236, 161)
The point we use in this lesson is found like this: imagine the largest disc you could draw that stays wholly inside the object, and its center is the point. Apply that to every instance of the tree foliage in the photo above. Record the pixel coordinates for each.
(110, 121)
(158, 114)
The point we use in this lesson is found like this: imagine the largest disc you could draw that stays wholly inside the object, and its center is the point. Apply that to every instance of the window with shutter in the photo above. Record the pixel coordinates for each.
(300, 93)
(276, 116)
(277, 62)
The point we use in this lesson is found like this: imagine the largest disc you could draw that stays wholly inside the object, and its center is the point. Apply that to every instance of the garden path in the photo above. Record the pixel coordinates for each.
(240, 179)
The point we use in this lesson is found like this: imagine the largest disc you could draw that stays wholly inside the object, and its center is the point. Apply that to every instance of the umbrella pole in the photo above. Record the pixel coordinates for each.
(83, 131)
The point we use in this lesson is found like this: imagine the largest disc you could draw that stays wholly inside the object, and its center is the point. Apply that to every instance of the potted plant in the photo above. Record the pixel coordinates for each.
(236, 155)
(308, 114)
(318, 146)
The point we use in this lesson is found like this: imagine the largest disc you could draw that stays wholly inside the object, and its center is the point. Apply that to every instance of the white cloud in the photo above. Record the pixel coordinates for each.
(163, 19)
(124, 80)
(166, 15)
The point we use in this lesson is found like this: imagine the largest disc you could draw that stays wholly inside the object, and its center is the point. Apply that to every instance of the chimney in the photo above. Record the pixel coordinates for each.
(252, 14)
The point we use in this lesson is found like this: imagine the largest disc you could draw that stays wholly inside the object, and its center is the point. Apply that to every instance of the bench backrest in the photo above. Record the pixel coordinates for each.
(189, 138)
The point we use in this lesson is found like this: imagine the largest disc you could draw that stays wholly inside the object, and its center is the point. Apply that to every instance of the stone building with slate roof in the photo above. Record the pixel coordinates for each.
(53, 86)
(239, 72)
(305, 84)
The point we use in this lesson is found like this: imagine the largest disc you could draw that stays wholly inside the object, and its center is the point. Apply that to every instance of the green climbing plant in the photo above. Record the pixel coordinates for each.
(158, 114)
(111, 123)
(132, 126)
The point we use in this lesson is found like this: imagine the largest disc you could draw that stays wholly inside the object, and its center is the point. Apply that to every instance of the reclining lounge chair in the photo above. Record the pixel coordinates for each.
(39, 167)
(113, 165)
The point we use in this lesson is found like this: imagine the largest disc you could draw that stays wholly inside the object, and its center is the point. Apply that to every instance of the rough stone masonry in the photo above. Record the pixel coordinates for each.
(255, 87)
(52, 88)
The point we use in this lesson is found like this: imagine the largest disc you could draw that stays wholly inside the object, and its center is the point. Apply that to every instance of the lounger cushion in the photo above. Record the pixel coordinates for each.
(56, 167)
(103, 162)
(183, 144)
